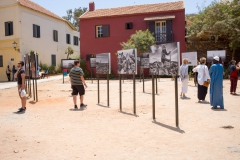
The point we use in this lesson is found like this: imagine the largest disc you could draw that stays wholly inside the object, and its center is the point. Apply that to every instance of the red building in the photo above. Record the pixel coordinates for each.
(102, 30)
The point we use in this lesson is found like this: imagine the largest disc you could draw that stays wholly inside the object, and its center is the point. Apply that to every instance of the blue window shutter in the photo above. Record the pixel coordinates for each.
(53, 60)
(11, 28)
(6, 29)
(38, 32)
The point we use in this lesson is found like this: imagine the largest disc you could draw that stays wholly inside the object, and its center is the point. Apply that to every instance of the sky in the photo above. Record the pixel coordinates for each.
(59, 7)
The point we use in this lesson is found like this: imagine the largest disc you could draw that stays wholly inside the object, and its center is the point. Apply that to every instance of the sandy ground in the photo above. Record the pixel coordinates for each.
(51, 130)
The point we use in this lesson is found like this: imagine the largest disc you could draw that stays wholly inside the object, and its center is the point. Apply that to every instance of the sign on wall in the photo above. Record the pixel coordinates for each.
(191, 57)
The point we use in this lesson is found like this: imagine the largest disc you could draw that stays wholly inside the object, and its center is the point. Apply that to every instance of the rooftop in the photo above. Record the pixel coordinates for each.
(137, 9)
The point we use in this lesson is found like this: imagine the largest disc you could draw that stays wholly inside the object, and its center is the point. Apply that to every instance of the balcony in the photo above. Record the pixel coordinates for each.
(163, 37)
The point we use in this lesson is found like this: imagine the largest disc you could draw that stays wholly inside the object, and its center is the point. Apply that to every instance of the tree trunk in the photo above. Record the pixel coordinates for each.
(233, 54)
(67, 55)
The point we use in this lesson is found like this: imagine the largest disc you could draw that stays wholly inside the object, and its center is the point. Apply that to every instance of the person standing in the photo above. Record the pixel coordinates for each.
(216, 86)
(13, 72)
(203, 75)
(20, 75)
(77, 84)
(184, 78)
(8, 72)
(233, 69)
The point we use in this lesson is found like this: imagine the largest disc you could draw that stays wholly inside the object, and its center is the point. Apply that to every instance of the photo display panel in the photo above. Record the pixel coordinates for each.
(127, 61)
(103, 63)
(191, 57)
(220, 53)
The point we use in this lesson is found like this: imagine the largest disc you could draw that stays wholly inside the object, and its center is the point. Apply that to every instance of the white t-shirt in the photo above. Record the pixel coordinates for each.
(203, 73)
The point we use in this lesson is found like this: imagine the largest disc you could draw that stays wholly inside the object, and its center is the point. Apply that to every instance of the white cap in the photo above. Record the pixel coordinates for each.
(216, 58)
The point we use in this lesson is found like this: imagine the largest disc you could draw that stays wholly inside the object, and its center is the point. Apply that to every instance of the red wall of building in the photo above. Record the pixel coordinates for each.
(91, 45)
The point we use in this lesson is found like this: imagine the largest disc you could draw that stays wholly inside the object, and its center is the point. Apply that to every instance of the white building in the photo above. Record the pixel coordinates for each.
(35, 28)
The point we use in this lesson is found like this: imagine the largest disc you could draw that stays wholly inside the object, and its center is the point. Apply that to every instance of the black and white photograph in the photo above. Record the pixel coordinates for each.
(67, 63)
(145, 60)
(163, 59)
(33, 64)
(26, 64)
(138, 61)
(93, 62)
(127, 61)
(220, 53)
(191, 57)
(103, 63)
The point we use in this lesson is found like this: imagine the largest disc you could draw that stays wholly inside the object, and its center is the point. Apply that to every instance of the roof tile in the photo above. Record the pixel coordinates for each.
(137, 9)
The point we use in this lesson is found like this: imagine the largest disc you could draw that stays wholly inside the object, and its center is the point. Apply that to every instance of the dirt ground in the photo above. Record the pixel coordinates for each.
(51, 130)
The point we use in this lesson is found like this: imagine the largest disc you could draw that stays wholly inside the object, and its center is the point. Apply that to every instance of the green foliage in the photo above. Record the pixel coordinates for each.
(44, 67)
(69, 51)
(73, 16)
(112, 75)
(219, 19)
(83, 65)
(52, 69)
(59, 69)
(141, 40)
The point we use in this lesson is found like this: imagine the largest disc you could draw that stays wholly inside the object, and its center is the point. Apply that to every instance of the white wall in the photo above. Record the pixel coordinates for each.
(45, 45)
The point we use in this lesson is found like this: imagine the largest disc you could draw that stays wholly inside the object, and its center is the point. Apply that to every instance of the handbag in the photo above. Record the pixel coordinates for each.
(206, 84)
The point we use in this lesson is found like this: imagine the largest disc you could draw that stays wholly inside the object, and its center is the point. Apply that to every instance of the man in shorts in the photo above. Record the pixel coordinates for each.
(20, 75)
(77, 84)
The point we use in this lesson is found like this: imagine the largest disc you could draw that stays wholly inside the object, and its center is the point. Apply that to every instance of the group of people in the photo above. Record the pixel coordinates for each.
(9, 71)
(212, 77)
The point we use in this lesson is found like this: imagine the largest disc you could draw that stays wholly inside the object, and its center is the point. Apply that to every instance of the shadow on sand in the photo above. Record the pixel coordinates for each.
(77, 110)
(176, 129)
(100, 105)
(129, 114)
(218, 109)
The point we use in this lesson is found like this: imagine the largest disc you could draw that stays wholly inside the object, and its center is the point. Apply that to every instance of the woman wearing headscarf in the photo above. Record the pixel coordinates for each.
(233, 69)
(216, 86)
(203, 75)
(184, 77)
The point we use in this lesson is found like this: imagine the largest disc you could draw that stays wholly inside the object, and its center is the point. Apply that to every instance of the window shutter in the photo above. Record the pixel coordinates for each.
(56, 36)
(6, 29)
(53, 60)
(74, 41)
(67, 38)
(169, 26)
(34, 30)
(1, 61)
(38, 31)
(105, 29)
(152, 26)
(11, 28)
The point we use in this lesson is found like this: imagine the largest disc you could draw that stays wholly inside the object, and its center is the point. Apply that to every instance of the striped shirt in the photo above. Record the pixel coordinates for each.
(75, 75)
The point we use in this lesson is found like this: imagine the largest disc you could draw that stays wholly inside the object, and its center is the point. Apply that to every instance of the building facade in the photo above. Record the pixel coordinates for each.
(103, 30)
(33, 27)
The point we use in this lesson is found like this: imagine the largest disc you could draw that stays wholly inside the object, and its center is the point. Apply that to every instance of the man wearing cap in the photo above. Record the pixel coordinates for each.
(216, 85)
(20, 75)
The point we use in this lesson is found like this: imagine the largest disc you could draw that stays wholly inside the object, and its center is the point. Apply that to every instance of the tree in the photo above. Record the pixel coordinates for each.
(141, 40)
(73, 16)
(69, 51)
(219, 19)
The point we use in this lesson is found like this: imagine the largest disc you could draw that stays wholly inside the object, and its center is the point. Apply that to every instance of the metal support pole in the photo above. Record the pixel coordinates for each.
(91, 75)
(33, 90)
(153, 97)
(36, 91)
(156, 85)
(108, 89)
(30, 87)
(120, 92)
(98, 90)
(143, 82)
(134, 94)
(63, 77)
(176, 101)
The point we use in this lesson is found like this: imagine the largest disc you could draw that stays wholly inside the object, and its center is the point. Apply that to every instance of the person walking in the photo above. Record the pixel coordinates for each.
(233, 69)
(20, 75)
(77, 84)
(216, 85)
(14, 70)
(8, 72)
(203, 76)
(184, 78)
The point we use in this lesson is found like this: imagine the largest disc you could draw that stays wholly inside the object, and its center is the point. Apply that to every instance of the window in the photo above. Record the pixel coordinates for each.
(36, 31)
(102, 31)
(129, 25)
(8, 28)
(68, 39)
(75, 40)
(55, 35)
(1, 61)
(53, 60)
(161, 31)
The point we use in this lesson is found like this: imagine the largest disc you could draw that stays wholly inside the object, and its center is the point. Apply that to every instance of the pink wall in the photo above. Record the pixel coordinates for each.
(91, 45)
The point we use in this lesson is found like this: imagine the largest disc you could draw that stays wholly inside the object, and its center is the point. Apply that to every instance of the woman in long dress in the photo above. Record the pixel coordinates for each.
(184, 78)
(203, 75)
